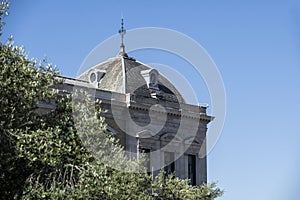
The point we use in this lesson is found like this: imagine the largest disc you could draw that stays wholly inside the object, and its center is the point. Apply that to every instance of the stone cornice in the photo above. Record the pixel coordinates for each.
(142, 103)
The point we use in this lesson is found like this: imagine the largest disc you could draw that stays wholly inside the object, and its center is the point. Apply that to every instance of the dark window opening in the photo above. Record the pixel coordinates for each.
(192, 169)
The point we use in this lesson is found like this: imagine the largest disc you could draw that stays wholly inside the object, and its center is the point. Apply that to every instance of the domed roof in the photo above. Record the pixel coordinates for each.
(123, 74)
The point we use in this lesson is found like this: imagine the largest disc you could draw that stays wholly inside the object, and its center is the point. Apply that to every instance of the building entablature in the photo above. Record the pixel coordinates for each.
(137, 102)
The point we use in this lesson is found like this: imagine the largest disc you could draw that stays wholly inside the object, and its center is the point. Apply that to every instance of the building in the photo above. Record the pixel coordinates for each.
(148, 115)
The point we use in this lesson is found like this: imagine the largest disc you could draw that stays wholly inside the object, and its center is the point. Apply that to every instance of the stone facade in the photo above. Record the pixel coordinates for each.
(148, 115)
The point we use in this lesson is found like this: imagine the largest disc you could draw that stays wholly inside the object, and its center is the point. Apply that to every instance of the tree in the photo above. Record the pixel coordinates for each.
(3, 13)
(44, 155)
(22, 85)
(170, 187)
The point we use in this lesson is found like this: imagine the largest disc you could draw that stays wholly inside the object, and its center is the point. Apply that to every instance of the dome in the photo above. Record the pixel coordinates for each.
(123, 74)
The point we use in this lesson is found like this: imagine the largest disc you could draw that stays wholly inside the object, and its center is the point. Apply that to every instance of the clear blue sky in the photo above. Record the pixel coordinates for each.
(256, 46)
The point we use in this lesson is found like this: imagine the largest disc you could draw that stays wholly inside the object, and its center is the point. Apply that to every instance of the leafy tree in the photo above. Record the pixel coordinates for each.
(3, 13)
(22, 85)
(171, 187)
(43, 155)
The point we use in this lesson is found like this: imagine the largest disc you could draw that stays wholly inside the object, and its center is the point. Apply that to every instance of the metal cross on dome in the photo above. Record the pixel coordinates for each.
(122, 31)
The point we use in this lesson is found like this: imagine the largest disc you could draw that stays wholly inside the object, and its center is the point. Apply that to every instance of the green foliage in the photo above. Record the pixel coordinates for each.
(3, 13)
(171, 187)
(22, 85)
(42, 156)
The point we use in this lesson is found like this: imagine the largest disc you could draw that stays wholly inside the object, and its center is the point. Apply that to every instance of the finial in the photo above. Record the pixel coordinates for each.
(122, 32)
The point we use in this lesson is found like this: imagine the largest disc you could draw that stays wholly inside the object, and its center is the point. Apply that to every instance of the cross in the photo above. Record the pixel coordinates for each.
(122, 31)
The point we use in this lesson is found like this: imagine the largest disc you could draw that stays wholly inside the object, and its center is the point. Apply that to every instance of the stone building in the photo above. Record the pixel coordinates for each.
(148, 115)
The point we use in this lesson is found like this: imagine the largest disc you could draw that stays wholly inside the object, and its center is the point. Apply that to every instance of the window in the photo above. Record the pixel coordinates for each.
(192, 169)
(169, 162)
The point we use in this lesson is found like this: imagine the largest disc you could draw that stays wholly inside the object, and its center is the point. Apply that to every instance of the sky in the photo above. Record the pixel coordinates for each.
(255, 46)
